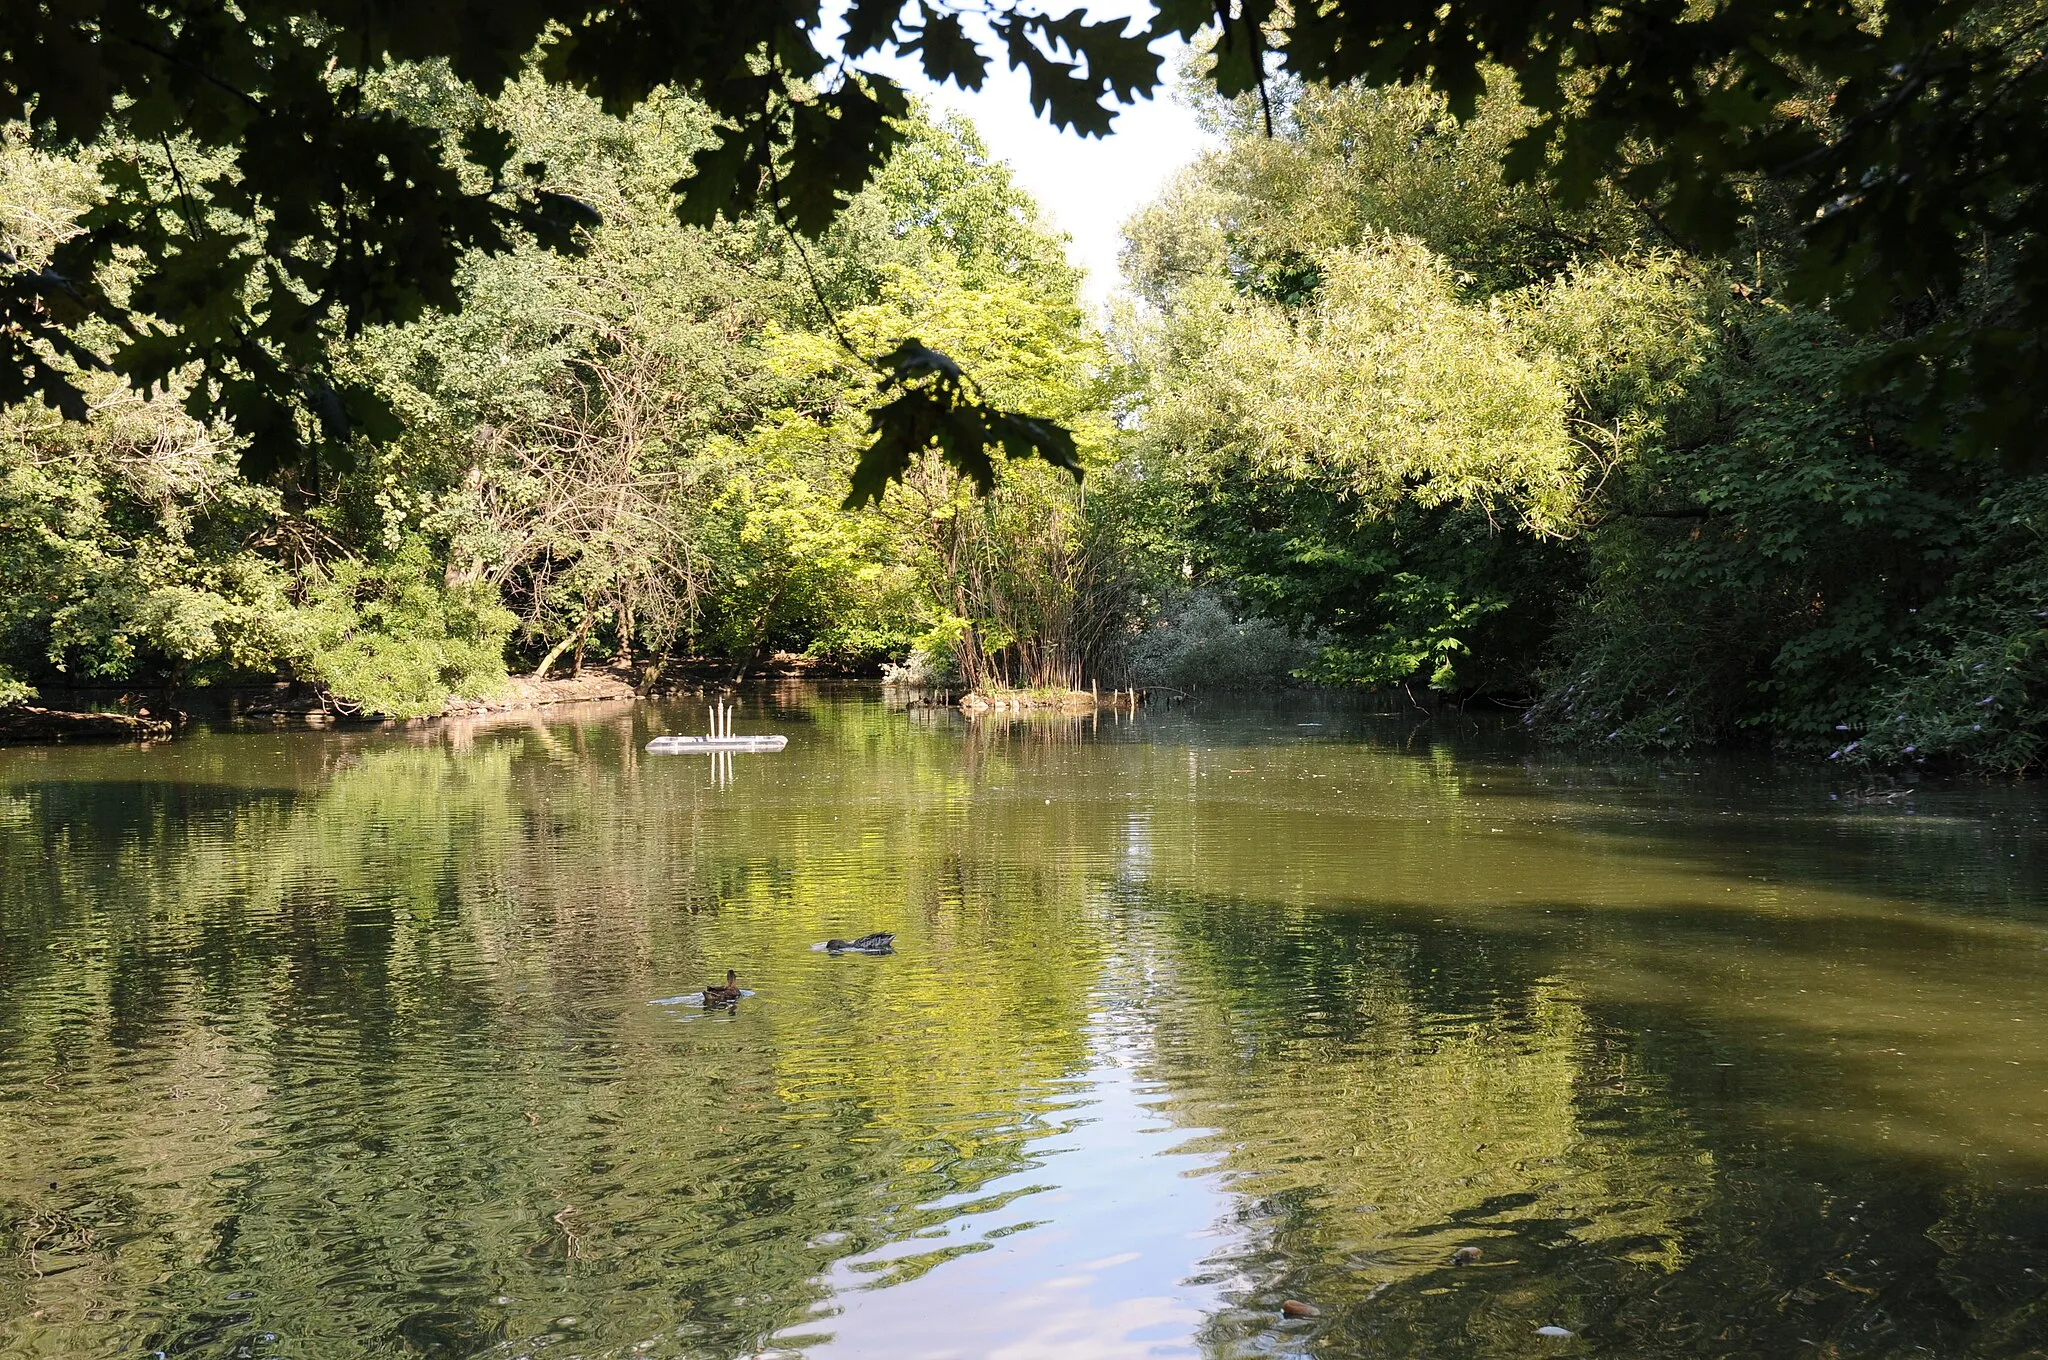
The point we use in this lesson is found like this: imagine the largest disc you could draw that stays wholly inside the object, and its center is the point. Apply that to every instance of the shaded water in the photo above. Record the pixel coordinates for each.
(350, 1044)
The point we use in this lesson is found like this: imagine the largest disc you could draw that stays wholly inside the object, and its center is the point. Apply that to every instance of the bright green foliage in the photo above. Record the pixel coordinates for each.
(796, 572)
(1378, 458)
(120, 540)
(128, 540)
(650, 447)
(636, 450)
(137, 553)
(390, 639)
(557, 427)
(1450, 424)
(1386, 384)
(1338, 421)
(272, 184)
(1357, 163)
(1897, 153)
(1577, 467)
(1015, 575)
(1630, 340)
(1894, 158)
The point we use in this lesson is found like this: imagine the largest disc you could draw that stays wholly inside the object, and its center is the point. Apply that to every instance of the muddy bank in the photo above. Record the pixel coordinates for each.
(299, 704)
(134, 714)
(529, 693)
(124, 715)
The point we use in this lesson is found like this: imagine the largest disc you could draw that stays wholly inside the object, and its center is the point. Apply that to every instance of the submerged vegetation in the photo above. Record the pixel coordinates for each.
(1376, 412)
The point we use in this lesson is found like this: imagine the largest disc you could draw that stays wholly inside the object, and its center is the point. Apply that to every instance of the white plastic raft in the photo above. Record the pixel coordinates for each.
(720, 738)
(684, 746)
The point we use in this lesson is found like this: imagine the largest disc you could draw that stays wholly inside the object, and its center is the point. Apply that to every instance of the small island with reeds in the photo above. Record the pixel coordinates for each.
(1002, 699)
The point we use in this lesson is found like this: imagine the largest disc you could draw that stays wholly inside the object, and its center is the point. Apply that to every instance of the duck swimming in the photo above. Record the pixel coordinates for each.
(877, 943)
(715, 995)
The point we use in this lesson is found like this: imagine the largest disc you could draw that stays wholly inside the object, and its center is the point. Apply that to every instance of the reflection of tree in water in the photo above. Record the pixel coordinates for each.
(361, 1024)
(373, 1039)
(1383, 1089)
(1378, 1104)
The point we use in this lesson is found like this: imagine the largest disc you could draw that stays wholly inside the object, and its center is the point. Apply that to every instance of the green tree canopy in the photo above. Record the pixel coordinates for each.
(267, 188)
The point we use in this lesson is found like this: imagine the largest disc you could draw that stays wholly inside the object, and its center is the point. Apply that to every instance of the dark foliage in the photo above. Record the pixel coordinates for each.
(1907, 148)
(289, 205)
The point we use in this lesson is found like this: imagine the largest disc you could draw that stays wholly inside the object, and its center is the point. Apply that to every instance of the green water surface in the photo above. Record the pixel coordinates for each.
(378, 1043)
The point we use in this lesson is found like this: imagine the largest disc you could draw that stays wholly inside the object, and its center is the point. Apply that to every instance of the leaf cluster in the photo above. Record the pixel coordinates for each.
(264, 193)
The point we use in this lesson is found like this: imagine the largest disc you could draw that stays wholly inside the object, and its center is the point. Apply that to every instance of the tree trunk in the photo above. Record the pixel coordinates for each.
(540, 672)
(582, 640)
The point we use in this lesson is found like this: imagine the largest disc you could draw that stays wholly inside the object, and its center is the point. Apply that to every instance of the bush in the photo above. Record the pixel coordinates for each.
(1788, 561)
(1204, 640)
(1969, 687)
(926, 665)
(386, 638)
(14, 690)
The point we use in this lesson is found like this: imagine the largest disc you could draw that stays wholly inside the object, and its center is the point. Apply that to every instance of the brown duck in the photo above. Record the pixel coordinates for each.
(715, 995)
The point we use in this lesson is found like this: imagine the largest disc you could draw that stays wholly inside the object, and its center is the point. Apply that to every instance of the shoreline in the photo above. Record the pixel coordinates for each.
(116, 715)
(33, 725)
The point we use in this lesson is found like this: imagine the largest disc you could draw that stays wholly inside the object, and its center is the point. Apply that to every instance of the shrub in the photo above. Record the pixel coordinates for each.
(1205, 640)
(1970, 685)
(14, 690)
(386, 638)
(926, 664)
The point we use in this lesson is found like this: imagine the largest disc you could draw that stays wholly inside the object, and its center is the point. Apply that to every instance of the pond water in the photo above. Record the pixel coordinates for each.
(365, 1044)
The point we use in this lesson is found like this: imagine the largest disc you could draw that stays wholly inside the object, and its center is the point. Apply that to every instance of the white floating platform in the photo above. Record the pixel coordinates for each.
(689, 746)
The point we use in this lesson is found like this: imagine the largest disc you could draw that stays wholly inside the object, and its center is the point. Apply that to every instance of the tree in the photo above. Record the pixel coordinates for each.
(277, 191)
(1379, 462)
(607, 454)
(1893, 148)
(1469, 437)
(277, 181)
(1010, 572)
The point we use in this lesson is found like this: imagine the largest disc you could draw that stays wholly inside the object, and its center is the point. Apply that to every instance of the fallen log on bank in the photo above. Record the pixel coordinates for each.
(27, 723)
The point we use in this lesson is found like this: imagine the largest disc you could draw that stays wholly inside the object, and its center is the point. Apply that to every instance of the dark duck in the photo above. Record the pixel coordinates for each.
(715, 995)
(877, 943)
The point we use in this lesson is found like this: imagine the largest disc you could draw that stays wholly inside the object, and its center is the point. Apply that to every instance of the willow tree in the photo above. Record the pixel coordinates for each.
(1382, 462)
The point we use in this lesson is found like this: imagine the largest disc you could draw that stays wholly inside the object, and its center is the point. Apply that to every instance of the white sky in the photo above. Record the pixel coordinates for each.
(1087, 186)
